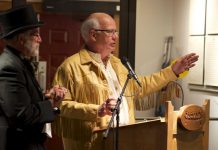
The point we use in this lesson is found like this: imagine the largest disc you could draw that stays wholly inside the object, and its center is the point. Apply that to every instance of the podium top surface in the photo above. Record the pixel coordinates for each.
(144, 121)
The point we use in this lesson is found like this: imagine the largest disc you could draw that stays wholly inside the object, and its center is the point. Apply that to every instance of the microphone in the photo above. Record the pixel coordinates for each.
(126, 63)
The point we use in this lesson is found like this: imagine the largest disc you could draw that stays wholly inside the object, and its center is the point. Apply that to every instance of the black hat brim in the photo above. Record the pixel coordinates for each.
(21, 29)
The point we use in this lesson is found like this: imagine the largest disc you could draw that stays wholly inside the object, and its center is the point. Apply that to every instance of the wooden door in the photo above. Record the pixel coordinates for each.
(60, 38)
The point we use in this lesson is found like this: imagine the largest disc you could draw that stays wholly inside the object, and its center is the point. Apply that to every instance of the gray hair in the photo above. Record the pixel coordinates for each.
(87, 25)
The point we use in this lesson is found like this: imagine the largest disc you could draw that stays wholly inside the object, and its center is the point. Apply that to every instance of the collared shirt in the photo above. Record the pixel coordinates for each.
(114, 86)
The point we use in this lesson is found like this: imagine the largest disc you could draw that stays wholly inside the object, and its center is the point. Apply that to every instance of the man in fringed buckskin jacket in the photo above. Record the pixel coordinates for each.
(94, 78)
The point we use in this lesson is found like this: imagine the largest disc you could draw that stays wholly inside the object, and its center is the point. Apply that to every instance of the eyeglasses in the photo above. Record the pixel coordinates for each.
(109, 32)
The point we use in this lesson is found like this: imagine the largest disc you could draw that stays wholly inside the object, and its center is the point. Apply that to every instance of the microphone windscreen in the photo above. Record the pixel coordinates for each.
(124, 60)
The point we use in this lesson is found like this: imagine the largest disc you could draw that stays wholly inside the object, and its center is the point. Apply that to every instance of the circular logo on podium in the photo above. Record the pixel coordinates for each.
(192, 117)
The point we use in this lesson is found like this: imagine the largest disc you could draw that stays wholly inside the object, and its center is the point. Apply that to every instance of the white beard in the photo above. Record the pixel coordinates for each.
(32, 48)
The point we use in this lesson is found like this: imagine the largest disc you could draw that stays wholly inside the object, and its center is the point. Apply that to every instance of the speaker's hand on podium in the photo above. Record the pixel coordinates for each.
(107, 107)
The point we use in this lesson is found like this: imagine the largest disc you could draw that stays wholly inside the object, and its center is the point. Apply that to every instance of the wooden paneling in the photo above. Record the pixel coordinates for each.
(148, 135)
(60, 39)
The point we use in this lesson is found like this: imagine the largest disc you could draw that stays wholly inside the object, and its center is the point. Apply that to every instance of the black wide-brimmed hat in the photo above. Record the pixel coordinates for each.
(18, 19)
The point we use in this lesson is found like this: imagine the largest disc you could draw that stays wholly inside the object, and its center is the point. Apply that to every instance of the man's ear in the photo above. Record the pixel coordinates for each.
(93, 35)
(20, 38)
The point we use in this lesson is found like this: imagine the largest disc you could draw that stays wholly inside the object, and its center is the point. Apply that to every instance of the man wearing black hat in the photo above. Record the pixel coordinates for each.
(23, 108)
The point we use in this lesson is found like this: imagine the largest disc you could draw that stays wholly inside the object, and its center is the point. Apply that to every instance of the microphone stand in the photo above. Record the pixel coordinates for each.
(116, 112)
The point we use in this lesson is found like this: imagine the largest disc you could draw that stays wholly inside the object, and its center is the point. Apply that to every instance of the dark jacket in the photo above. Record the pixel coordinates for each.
(23, 112)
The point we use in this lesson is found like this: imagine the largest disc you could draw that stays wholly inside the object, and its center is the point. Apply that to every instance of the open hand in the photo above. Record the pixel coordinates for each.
(184, 63)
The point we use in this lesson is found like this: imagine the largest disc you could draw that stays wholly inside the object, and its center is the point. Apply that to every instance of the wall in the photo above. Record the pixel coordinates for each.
(180, 32)
(153, 25)
(157, 19)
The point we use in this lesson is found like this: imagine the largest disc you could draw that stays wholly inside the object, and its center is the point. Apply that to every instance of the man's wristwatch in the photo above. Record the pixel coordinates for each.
(56, 110)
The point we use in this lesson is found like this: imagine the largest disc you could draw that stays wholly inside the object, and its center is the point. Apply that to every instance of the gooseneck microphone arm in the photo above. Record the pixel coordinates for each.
(126, 63)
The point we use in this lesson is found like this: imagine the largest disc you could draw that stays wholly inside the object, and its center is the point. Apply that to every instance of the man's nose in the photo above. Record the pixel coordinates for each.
(38, 39)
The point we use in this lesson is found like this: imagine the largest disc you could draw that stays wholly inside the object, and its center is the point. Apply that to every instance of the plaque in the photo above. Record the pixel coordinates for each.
(191, 117)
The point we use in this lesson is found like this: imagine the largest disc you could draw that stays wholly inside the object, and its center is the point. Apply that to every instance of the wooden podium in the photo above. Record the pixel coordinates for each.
(158, 134)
